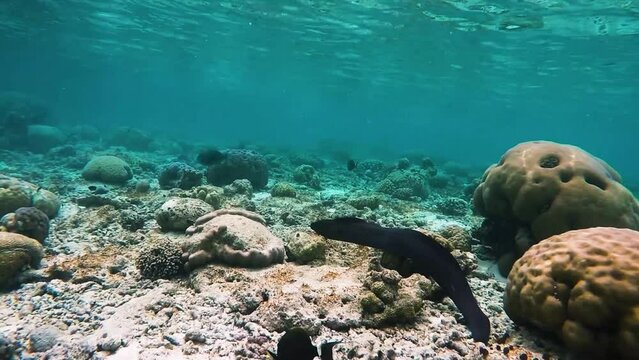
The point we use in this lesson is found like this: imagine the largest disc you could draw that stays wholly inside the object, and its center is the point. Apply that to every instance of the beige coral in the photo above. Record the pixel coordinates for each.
(582, 285)
(16, 252)
(16, 193)
(234, 236)
(554, 188)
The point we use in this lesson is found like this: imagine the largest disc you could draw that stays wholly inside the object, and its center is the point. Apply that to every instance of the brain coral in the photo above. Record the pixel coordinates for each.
(582, 285)
(554, 188)
(233, 236)
(16, 251)
(15, 193)
(108, 169)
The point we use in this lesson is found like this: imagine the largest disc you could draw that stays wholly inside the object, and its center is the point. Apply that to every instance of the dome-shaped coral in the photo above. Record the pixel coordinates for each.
(554, 188)
(16, 252)
(583, 286)
(16, 193)
(28, 221)
(177, 214)
(234, 236)
(548, 188)
(108, 169)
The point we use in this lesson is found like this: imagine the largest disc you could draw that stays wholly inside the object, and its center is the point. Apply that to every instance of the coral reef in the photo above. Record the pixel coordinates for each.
(391, 300)
(239, 187)
(233, 236)
(104, 283)
(453, 206)
(179, 175)
(107, 169)
(239, 164)
(160, 259)
(282, 189)
(552, 188)
(405, 184)
(307, 175)
(368, 201)
(303, 247)
(16, 252)
(583, 286)
(28, 221)
(212, 195)
(177, 214)
(15, 193)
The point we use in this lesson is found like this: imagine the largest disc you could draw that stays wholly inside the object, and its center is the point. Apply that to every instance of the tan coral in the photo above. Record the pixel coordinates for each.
(234, 236)
(554, 188)
(16, 252)
(16, 193)
(583, 286)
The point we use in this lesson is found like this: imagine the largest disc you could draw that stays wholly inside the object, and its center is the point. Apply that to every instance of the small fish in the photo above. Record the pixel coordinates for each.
(296, 344)
(351, 165)
(210, 156)
(430, 259)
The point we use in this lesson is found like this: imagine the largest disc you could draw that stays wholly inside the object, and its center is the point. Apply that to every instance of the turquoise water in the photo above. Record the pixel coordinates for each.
(461, 79)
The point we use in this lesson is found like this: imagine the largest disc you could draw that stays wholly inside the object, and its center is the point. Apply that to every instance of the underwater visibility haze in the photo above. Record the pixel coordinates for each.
(359, 179)
(462, 80)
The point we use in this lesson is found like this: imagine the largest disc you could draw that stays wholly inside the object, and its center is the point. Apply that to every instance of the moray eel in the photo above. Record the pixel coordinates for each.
(429, 258)
(296, 345)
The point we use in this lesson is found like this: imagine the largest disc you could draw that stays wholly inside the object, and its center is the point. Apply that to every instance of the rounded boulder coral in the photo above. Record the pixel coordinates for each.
(554, 188)
(545, 189)
(583, 286)
(177, 214)
(108, 169)
(28, 221)
(16, 252)
(233, 236)
(16, 193)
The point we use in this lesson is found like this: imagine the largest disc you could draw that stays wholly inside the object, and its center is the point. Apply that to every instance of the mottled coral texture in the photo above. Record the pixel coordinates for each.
(16, 193)
(554, 188)
(547, 188)
(583, 286)
(16, 252)
(233, 236)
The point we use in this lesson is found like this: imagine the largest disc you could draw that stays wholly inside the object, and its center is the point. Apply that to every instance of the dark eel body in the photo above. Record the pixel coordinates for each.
(429, 258)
